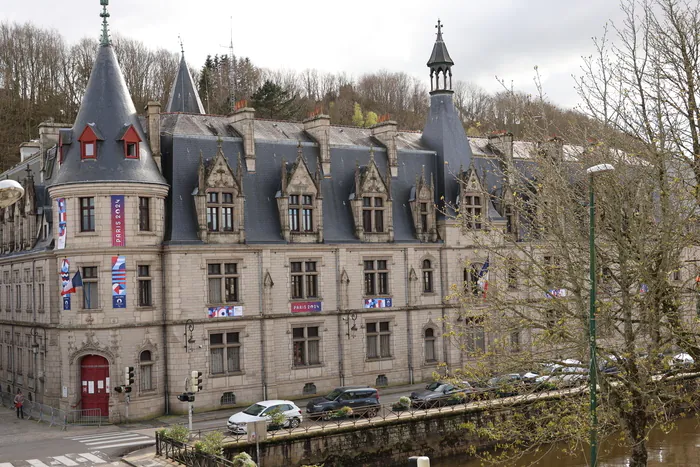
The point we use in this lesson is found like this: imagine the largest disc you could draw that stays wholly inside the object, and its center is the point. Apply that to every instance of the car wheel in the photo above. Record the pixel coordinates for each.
(326, 416)
(371, 412)
(294, 422)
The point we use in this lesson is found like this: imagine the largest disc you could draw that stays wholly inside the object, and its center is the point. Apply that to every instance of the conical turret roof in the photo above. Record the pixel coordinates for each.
(184, 96)
(108, 110)
(440, 55)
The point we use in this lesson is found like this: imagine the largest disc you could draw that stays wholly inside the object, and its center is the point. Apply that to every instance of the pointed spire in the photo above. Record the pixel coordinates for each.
(440, 62)
(183, 95)
(104, 40)
(106, 110)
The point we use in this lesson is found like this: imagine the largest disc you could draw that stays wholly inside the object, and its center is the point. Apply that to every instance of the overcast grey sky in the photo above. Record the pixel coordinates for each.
(485, 38)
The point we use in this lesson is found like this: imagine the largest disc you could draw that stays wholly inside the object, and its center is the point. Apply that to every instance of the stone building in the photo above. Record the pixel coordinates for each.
(277, 258)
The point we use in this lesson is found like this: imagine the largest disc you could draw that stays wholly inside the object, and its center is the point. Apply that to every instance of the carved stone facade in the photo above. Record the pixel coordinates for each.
(423, 210)
(372, 204)
(300, 202)
(219, 201)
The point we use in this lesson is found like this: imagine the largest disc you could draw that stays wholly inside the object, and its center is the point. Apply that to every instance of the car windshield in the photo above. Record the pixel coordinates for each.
(433, 386)
(254, 409)
(333, 395)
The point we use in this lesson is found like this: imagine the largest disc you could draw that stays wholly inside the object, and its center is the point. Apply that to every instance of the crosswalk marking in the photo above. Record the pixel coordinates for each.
(84, 459)
(65, 461)
(114, 439)
(92, 458)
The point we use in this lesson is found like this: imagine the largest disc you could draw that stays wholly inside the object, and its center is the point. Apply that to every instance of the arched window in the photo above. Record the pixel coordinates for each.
(429, 339)
(427, 276)
(146, 364)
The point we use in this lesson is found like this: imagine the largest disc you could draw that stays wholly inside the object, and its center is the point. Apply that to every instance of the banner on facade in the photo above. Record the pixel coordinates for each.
(225, 311)
(377, 303)
(118, 221)
(61, 244)
(301, 307)
(66, 283)
(118, 281)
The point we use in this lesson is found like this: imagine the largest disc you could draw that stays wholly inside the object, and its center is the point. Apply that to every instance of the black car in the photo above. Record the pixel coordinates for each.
(506, 385)
(440, 393)
(362, 400)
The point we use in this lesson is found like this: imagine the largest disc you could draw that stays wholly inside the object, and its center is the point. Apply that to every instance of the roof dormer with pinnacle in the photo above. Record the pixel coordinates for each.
(440, 62)
(184, 96)
(107, 143)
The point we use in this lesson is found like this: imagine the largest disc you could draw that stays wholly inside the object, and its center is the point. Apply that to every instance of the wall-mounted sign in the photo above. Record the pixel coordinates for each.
(377, 303)
(61, 244)
(118, 281)
(300, 307)
(225, 311)
(118, 221)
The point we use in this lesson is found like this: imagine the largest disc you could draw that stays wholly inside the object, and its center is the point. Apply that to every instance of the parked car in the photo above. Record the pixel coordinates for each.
(440, 393)
(682, 360)
(507, 385)
(264, 410)
(363, 400)
(566, 374)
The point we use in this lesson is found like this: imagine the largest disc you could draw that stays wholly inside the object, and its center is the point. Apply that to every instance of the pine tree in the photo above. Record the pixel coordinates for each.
(273, 101)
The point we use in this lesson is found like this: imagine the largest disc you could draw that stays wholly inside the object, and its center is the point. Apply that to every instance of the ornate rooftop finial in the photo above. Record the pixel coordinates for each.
(182, 47)
(371, 153)
(439, 28)
(440, 63)
(105, 14)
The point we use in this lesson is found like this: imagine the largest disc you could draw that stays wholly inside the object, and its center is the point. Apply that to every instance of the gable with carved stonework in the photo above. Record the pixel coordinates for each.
(300, 202)
(371, 204)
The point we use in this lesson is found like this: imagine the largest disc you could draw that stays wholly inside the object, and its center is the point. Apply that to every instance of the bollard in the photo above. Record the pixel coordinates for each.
(418, 461)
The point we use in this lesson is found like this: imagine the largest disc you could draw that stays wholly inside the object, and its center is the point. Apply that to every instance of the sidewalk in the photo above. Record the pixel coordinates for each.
(147, 457)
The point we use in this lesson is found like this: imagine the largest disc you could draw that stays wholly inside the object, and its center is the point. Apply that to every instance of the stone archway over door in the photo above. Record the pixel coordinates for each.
(94, 383)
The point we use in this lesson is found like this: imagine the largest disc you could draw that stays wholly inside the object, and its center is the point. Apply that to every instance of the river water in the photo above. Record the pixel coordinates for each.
(680, 448)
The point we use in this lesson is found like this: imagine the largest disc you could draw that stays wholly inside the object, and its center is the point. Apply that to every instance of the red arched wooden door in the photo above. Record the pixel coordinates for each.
(94, 381)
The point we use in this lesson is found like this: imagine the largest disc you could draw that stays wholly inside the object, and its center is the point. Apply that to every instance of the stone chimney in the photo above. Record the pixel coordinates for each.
(243, 121)
(318, 127)
(386, 132)
(153, 129)
(502, 141)
(554, 148)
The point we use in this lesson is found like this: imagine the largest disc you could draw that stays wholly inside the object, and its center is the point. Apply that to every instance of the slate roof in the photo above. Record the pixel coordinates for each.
(184, 96)
(440, 56)
(107, 107)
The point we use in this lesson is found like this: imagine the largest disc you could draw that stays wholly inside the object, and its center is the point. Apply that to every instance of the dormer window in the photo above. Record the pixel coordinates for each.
(131, 142)
(373, 214)
(219, 211)
(88, 143)
(300, 202)
(472, 212)
(424, 216)
(423, 209)
(301, 213)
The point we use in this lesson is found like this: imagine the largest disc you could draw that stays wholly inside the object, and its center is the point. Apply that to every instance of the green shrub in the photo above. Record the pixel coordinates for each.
(243, 460)
(178, 433)
(405, 401)
(343, 412)
(277, 418)
(212, 443)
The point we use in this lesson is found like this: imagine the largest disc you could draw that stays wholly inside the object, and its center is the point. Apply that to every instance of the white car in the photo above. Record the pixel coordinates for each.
(682, 359)
(565, 374)
(262, 411)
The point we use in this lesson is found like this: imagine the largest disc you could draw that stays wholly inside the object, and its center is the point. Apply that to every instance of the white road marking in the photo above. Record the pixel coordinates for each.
(93, 444)
(103, 435)
(36, 463)
(6, 464)
(65, 461)
(133, 443)
(92, 458)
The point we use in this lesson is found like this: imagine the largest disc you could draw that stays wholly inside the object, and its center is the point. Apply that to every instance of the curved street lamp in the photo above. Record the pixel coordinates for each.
(593, 380)
(353, 317)
(10, 192)
(189, 340)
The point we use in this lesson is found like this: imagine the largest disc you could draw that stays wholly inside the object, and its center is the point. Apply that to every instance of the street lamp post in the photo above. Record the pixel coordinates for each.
(593, 371)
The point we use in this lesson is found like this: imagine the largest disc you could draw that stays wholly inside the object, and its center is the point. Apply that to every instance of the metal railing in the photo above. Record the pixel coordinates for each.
(53, 416)
(186, 454)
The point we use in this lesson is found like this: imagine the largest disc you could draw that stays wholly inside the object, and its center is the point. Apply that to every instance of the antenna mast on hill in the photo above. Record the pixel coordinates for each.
(231, 74)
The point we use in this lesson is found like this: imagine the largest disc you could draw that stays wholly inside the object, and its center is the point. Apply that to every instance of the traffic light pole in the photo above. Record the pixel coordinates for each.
(191, 409)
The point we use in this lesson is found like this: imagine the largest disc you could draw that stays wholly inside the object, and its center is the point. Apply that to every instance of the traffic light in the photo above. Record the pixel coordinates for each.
(184, 397)
(196, 381)
(128, 375)
(190, 397)
(127, 388)
(119, 388)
